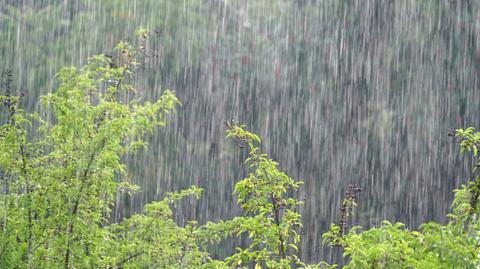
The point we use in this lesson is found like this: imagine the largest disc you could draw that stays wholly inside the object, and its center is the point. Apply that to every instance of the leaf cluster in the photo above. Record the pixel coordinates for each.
(432, 245)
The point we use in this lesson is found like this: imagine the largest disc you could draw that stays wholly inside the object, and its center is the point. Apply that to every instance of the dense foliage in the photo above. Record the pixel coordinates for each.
(58, 183)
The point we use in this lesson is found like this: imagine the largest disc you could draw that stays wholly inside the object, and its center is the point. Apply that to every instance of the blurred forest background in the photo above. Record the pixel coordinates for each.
(354, 91)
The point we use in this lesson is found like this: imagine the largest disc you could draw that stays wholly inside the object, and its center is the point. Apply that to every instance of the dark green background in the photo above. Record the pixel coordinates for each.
(341, 91)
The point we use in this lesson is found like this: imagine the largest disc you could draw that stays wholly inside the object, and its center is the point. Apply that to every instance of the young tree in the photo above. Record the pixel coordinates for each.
(59, 182)
(271, 220)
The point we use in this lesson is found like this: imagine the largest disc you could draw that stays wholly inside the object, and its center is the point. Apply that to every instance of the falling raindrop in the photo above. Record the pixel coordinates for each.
(343, 92)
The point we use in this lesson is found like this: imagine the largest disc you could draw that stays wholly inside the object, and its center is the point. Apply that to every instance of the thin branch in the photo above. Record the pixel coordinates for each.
(276, 211)
(127, 259)
(76, 205)
(29, 208)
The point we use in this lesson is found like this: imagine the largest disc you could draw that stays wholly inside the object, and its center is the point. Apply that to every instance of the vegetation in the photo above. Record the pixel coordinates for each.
(60, 173)
(270, 220)
(354, 70)
(455, 245)
(59, 183)
(387, 77)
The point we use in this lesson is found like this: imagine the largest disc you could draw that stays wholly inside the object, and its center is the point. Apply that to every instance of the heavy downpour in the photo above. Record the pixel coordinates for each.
(239, 134)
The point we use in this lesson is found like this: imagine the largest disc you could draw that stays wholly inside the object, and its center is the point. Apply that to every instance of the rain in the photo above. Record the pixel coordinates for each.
(342, 92)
